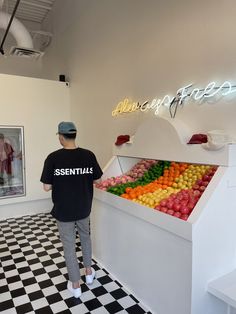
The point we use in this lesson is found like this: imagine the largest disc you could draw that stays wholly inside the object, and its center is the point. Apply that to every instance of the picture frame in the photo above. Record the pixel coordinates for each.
(12, 162)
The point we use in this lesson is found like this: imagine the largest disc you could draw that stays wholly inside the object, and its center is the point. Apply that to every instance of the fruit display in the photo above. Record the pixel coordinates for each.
(173, 188)
(133, 174)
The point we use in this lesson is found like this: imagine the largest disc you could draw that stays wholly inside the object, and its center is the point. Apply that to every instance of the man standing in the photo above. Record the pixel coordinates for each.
(70, 172)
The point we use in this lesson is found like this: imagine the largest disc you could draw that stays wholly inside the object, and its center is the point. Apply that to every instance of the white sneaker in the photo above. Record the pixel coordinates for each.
(76, 292)
(89, 278)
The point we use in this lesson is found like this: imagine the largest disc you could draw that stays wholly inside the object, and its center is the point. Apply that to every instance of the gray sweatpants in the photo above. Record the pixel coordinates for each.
(67, 231)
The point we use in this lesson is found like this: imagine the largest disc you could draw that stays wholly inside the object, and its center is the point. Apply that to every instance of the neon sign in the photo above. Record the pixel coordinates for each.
(125, 106)
(172, 103)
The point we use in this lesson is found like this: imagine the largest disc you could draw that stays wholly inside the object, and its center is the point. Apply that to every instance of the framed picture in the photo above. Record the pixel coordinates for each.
(12, 161)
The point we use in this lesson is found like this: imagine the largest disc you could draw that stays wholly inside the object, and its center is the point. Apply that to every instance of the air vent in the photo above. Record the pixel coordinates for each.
(24, 52)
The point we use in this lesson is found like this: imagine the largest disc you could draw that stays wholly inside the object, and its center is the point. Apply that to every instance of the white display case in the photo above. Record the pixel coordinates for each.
(165, 261)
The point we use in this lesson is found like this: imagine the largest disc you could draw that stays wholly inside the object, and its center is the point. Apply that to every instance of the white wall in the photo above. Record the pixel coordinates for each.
(111, 49)
(38, 105)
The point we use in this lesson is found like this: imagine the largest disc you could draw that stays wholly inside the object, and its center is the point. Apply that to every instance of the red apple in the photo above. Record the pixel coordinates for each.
(185, 196)
(172, 196)
(199, 182)
(183, 203)
(206, 178)
(163, 202)
(169, 204)
(196, 187)
(185, 210)
(191, 205)
(179, 197)
(196, 193)
(176, 207)
(164, 209)
(170, 212)
(177, 214)
(184, 217)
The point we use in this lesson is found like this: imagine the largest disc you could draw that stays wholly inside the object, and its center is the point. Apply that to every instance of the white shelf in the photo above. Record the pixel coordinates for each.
(171, 144)
(224, 288)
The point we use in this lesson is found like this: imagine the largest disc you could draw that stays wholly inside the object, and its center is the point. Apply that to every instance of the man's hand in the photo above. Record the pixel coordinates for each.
(47, 187)
(97, 181)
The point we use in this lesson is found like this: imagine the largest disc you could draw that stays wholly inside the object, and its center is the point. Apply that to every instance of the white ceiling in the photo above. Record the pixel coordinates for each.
(29, 10)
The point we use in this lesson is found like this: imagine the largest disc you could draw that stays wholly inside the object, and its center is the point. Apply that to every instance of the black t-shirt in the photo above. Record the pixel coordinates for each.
(71, 173)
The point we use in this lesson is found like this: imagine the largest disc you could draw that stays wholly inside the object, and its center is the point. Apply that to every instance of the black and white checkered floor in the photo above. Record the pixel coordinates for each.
(33, 276)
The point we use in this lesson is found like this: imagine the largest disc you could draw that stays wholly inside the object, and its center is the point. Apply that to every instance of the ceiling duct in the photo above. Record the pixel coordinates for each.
(17, 29)
(23, 38)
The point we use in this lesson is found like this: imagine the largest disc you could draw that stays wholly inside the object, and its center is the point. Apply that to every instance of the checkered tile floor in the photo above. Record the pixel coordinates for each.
(33, 276)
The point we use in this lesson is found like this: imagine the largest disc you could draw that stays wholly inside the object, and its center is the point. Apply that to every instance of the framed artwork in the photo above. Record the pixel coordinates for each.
(12, 161)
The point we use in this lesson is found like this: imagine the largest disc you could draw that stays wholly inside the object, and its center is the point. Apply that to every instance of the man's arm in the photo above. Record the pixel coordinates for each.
(47, 174)
(97, 181)
(47, 187)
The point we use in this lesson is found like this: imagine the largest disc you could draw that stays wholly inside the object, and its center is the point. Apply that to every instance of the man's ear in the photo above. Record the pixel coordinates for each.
(61, 137)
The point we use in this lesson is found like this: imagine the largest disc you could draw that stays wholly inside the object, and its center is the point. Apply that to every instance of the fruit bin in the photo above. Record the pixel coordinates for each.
(166, 260)
(170, 187)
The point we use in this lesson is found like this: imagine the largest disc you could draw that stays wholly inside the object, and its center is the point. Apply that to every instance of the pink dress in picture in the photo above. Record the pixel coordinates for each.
(6, 158)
